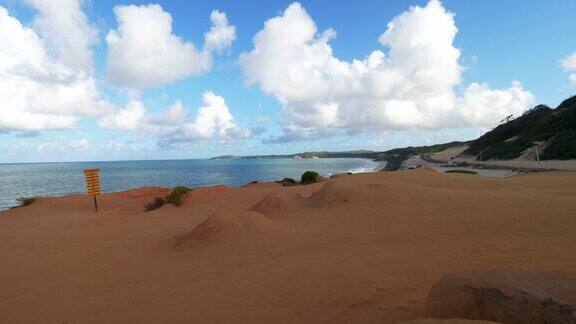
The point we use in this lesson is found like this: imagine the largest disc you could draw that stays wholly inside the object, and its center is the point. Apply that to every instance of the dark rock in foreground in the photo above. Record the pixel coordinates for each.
(507, 296)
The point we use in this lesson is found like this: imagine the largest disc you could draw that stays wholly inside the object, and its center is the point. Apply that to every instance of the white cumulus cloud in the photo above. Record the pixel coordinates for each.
(135, 117)
(117, 146)
(44, 82)
(221, 34)
(144, 52)
(213, 121)
(64, 26)
(414, 85)
(481, 105)
(569, 64)
(62, 146)
(128, 118)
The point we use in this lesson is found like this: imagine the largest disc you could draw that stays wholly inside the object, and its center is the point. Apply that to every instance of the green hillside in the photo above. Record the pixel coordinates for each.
(552, 130)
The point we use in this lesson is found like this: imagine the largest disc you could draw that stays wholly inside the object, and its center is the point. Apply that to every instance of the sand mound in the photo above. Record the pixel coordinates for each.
(277, 202)
(334, 192)
(143, 192)
(509, 296)
(228, 225)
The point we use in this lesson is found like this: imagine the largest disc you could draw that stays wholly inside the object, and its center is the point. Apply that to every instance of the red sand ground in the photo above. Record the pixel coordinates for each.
(367, 248)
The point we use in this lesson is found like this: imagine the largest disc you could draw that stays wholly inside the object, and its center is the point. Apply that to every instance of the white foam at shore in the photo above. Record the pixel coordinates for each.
(371, 166)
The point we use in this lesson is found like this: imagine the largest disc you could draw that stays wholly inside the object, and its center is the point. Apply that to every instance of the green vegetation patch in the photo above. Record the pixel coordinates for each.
(174, 198)
(561, 147)
(395, 157)
(309, 177)
(541, 124)
(462, 171)
(506, 150)
(288, 182)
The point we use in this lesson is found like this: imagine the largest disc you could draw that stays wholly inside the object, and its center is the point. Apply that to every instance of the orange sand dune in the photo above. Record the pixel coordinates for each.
(357, 249)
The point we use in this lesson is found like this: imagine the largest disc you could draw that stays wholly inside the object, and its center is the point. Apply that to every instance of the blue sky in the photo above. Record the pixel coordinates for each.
(425, 83)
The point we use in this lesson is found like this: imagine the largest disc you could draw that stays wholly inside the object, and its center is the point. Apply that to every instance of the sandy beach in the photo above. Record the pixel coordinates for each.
(361, 248)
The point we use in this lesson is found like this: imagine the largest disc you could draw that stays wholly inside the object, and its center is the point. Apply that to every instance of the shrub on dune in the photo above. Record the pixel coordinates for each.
(288, 182)
(175, 197)
(309, 177)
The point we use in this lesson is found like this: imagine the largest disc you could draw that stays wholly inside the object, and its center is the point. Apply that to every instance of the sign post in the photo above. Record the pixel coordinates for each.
(93, 184)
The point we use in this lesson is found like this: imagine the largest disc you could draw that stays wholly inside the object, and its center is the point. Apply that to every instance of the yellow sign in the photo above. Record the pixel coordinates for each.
(92, 181)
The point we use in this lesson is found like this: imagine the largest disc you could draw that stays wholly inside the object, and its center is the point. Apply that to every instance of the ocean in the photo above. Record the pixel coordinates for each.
(59, 179)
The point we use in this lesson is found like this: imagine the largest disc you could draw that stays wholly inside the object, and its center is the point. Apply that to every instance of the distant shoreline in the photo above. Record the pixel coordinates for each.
(380, 167)
(61, 179)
